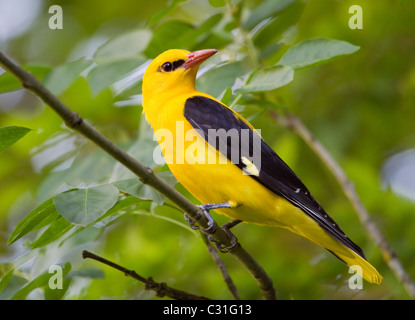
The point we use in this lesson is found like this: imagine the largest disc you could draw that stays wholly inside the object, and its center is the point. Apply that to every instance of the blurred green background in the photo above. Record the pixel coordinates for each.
(360, 106)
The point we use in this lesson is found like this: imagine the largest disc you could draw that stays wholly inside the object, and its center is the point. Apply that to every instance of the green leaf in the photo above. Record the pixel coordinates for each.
(268, 79)
(56, 229)
(216, 80)
(126, 205)
(178, 34)
(171, 5)
(265, 10)
(225, 96)
(10, 135)
(60, 78)
(271, 30)
(82, 236)
(105, 75)
(6, 273)
(39, 217)
(83, 206)
(126, 46)
(171, 34)
(57, 294)
(216, 39)
(38, 282)
(5, 268)
(8, 82)
(314, 51)
(137, 189)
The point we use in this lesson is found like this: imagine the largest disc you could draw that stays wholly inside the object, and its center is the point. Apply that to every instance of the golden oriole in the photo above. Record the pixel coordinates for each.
(196, 134)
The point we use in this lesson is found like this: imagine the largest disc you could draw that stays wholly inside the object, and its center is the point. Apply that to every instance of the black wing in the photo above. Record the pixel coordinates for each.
(204, 114)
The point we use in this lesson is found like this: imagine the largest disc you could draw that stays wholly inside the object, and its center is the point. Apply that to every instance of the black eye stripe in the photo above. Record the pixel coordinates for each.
(177, 64)
(168, 66)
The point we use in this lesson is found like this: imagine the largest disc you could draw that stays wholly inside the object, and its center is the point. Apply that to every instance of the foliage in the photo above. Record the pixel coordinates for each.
(10, 135)
(60, 194)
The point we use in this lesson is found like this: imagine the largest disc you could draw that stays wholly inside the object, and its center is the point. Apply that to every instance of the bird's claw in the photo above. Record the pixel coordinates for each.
(221, 247)
(211, 223)
(234, 240)
(191, 222)
(212, 226)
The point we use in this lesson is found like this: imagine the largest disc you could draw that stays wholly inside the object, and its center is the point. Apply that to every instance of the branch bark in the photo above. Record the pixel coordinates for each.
(145, 174)
(161, 289)
(292, 122)
(222, 268)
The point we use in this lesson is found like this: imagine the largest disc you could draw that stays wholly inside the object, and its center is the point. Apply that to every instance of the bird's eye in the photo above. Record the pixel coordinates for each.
(167, 67)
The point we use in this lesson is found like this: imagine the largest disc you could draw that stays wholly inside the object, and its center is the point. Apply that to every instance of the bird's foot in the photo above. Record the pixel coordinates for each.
(206, 210)
(234, 240)
(191, 222)
(212, 226)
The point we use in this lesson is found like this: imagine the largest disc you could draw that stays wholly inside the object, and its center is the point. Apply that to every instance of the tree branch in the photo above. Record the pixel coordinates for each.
(161, 289)
(145, 174)
(292, 122)
(222, 267)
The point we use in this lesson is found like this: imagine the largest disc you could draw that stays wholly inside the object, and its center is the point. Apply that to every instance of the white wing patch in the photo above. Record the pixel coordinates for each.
(250, 168)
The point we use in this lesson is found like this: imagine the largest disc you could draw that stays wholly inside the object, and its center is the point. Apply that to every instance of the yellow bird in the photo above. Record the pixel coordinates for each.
(219, 157)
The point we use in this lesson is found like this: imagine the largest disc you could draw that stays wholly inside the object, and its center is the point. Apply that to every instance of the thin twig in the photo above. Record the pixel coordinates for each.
(161, 289)
(145, 174)
(292, 122)
(222, 267)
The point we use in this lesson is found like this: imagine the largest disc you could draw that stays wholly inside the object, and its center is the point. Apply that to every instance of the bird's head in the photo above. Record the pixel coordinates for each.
(173, 72)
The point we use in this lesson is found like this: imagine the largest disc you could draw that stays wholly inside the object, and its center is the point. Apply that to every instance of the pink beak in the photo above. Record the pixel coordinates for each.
(197, 57)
